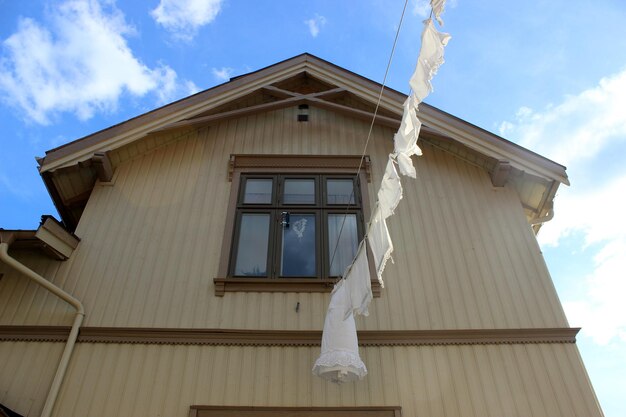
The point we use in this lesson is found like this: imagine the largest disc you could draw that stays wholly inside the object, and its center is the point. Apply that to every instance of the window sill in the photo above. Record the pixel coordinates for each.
(224, 285)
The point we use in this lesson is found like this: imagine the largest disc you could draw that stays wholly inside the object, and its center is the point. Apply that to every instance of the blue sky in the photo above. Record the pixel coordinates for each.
(550, 75)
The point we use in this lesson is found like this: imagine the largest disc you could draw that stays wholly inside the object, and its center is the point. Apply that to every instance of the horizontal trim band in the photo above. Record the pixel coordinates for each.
(235, 337)
(351, 163)
(224, 285)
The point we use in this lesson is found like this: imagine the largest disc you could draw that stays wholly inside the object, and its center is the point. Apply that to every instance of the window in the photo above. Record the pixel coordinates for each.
(296, 226)
(285, 214)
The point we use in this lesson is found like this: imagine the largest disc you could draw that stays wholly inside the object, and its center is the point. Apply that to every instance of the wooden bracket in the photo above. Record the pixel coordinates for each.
(102, 165)
(501, 173)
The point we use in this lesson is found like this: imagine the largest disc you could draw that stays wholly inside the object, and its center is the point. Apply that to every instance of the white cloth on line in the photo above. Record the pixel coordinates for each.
(405, 165)
(380, 242)
(437, 7)
(358, 284)
(405, 141)
(339, 360)
(390, 191)
(429, 60)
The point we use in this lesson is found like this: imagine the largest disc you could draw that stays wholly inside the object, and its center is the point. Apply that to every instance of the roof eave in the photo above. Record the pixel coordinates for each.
(459, 130)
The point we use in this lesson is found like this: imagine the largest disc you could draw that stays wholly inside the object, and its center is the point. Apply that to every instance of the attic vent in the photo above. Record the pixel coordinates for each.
(303, 113)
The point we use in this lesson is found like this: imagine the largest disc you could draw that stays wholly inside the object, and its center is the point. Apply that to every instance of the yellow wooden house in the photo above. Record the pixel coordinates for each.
(172, 287)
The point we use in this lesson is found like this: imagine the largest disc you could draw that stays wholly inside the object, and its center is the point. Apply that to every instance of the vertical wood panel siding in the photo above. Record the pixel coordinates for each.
(465, 256)
(119, 380)
(26, 372)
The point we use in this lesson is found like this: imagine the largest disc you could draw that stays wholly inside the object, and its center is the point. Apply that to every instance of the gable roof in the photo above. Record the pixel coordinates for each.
(303, 79)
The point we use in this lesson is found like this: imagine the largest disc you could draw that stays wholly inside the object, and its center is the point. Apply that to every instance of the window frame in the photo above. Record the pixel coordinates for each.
(320, 209)
(291, 166)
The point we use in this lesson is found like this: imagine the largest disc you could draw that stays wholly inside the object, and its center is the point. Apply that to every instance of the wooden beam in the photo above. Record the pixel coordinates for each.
(501, 173)
(294, 100)
(350, 111)
(102, 165)
(276, 105)
(278, 92)
(286, 93)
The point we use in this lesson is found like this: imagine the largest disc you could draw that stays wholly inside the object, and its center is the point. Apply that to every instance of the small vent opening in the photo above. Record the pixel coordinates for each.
(303, 113)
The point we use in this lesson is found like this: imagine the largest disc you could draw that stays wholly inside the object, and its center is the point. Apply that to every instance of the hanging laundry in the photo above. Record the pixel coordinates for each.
(339, 361)
(380, 243)
(405, 141)
(428, 61)
(437, 7)
(390, 192)
(358, 284)
(405, 165)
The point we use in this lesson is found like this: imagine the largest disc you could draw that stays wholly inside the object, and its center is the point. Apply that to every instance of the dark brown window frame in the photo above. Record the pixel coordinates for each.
(320, 209)
(235, 411)
(269, 165)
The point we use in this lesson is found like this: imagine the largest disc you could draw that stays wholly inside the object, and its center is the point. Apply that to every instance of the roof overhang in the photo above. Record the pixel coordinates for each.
(86, 159)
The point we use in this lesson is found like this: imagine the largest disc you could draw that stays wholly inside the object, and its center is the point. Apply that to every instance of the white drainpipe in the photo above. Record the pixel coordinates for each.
(78, 320)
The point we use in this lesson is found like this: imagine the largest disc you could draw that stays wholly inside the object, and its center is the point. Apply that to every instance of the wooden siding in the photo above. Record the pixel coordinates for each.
(465, 256)
(120, 380)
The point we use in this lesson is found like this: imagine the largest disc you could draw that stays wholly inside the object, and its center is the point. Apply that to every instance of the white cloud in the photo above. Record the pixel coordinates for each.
(183, 18)
(190, 87)
(81, 64)
(222, 74)
(579, 127)
(315, 24)
(602, 314)
(585, 131)
(421, 8)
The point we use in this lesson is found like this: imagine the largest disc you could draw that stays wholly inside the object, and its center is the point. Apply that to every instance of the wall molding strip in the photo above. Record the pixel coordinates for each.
(240, 337)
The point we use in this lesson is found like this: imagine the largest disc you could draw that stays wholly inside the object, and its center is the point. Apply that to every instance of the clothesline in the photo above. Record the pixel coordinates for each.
(369, 133)
(339, 360)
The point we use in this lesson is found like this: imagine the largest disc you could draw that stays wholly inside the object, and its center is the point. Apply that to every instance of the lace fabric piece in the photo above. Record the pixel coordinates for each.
(380, 243)
(429, 60)
(390, 192)
(339, 360)
(358, 286)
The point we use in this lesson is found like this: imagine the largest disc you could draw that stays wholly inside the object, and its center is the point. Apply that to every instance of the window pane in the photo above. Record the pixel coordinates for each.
(346, 244)
(258, 191)
(252, 245)
(339, 191)
(299, 191)
(298, 254)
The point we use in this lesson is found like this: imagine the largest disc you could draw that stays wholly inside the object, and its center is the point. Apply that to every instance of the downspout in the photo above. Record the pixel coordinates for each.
(78, 320)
